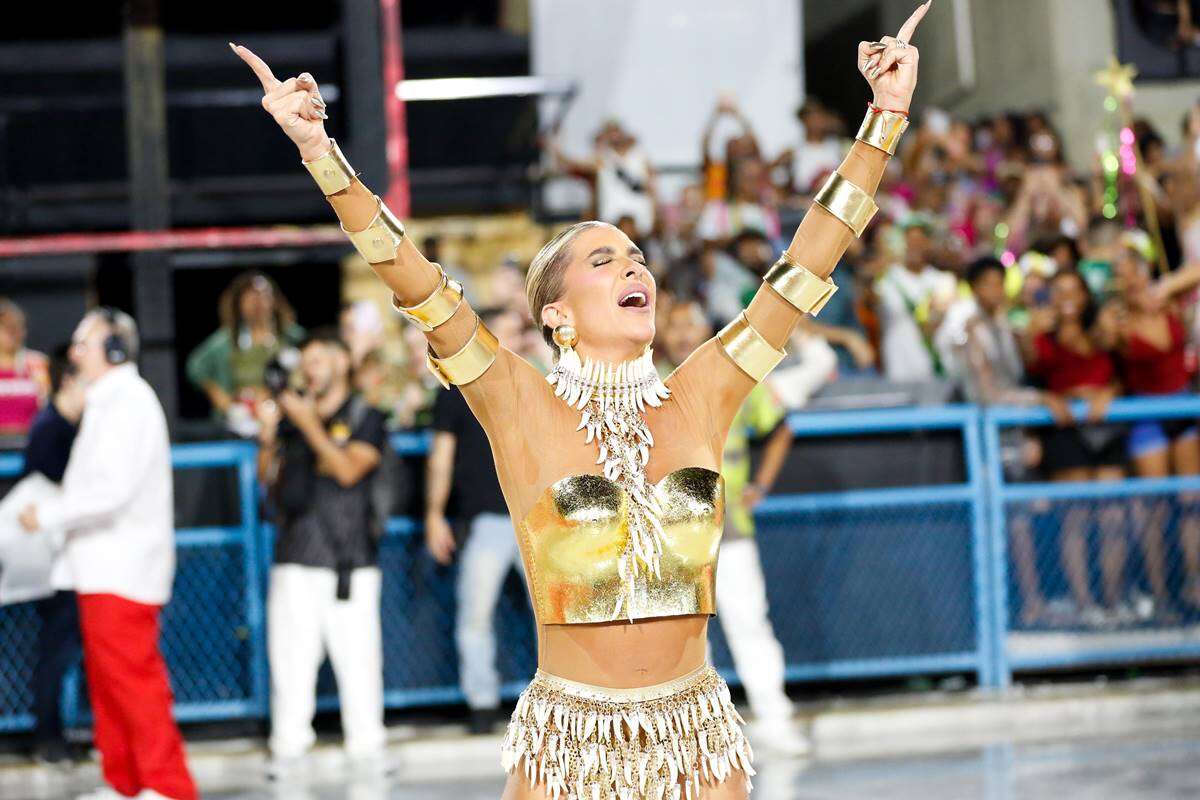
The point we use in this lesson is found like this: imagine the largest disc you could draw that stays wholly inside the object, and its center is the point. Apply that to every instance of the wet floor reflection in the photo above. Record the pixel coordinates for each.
(1165, 766)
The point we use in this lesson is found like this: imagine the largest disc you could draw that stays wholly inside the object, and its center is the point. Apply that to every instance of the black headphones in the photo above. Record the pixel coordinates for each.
(116, 351)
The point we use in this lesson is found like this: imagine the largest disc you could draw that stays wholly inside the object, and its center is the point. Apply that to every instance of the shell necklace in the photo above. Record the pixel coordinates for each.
(612, 400)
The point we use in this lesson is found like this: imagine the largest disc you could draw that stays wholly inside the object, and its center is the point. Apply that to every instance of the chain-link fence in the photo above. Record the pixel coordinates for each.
(1093, 572)
(213, 635)
(973, 573)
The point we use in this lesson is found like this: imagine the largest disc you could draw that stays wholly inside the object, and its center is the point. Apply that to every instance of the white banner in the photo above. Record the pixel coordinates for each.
(659, 66)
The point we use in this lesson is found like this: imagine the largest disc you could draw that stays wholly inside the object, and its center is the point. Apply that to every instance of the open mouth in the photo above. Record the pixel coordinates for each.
(636, 296)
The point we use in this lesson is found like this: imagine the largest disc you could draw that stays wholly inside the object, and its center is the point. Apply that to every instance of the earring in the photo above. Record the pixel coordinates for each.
(566, 337)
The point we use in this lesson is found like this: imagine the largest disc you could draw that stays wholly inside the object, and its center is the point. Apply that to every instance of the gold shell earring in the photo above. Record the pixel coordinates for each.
(566, 337)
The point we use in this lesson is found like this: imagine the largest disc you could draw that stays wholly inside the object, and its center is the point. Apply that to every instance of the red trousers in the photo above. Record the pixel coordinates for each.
(140, 746)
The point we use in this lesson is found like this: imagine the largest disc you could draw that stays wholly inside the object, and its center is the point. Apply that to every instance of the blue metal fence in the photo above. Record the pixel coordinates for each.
(213, 630)
(1029, 519)
(862, 583)
(882, 581)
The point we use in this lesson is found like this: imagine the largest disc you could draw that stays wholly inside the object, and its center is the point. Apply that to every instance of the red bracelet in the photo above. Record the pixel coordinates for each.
(872, 107)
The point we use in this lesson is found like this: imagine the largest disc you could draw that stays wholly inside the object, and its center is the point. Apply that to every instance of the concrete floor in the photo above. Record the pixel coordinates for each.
(1139, 766)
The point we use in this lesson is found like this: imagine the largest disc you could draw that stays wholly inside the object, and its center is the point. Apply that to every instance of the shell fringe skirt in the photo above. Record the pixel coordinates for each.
(658, 742)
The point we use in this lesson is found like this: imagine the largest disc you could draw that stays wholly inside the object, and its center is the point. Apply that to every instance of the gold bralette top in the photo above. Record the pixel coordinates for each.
(577, 530)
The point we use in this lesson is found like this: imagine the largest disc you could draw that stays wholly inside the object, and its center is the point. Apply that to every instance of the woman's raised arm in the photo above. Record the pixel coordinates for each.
(744, 352)
(462, 350)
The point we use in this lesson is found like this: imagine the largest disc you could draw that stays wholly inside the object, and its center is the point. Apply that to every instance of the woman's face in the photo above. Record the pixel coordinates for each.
(1068, 296)
(12, 332)
(687, 329)
(257, 303)
(1132, 277)
(750, 176)
(609, 296)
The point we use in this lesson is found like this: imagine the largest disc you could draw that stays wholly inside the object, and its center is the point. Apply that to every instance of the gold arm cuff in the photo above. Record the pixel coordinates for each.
(467, 364)
(847, 202)
(800, 287)
(435, 309)
(378, 241)
(749, 350)
(882, 130)
(332, 171)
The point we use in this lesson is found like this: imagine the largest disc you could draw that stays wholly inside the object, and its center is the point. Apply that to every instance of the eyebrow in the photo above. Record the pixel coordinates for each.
(608, 251)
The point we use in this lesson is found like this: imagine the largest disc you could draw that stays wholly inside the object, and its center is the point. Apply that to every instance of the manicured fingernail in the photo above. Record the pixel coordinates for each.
(305, 77)
(322, 115)
(318, 102)
(875, 73)
(233, 47)
(874, 62)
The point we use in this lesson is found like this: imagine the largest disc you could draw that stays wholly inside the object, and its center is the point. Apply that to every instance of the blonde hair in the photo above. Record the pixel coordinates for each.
(544, 281)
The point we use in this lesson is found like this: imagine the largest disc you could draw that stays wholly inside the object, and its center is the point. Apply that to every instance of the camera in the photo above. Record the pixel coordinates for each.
(277, 374)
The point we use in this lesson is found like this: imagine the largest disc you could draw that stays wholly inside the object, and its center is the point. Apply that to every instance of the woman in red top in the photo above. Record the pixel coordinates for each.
(1144, 327)
(1062, 350)
(24, 374)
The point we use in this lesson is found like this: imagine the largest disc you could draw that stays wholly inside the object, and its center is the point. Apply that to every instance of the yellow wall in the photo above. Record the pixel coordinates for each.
(474, 244)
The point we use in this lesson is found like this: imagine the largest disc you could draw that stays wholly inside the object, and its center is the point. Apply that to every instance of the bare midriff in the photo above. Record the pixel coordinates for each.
(623, 654)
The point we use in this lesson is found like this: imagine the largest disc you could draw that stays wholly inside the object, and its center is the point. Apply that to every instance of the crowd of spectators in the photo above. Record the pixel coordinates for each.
(993, 274)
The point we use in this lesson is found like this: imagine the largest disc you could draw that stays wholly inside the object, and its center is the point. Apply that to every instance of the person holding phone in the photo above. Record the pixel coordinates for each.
(1063, 349)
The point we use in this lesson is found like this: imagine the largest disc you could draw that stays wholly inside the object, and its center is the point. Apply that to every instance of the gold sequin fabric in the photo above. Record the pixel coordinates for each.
(612, 401)
(661, 742)
(575, 536)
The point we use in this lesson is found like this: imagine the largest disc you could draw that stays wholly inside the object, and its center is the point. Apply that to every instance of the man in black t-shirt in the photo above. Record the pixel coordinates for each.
(319, 458)
(461, 483)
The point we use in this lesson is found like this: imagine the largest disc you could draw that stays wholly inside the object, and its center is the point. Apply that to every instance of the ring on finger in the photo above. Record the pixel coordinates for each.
(901, 44)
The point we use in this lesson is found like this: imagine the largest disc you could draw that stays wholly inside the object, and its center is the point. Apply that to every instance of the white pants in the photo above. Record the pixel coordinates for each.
(489, 553)
(742, 611)
(305, 620)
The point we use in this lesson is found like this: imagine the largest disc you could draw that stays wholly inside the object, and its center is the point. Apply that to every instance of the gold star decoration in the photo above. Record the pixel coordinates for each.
(1117, 78)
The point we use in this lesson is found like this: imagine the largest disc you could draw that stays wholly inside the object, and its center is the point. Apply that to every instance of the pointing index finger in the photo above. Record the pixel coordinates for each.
(910, 27)
(265, 76)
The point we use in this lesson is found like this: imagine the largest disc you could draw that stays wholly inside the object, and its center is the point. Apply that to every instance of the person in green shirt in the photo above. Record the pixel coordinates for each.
(741, 587)
(257, 323)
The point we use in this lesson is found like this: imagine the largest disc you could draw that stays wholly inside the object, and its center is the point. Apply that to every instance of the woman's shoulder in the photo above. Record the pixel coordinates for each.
(216, 340)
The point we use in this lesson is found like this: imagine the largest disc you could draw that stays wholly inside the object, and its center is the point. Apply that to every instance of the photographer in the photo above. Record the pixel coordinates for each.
(320, 451)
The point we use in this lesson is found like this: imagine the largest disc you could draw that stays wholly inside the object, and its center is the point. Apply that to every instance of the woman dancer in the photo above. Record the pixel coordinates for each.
(621, 557)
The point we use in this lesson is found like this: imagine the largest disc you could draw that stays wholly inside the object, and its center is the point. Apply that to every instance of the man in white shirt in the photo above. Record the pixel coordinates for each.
(117, 507)
(913, 297)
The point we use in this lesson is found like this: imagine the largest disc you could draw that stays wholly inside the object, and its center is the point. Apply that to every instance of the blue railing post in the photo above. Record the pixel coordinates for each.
(981, 557)
(253, 561)
(998, 550)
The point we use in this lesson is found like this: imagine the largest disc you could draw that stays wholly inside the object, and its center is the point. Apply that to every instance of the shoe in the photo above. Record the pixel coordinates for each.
(779, 737)
(1124, 614)
(103, 793)
(55, 753)
(287, 768)
(1095, 617)
(371, 767)
(482, 721)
